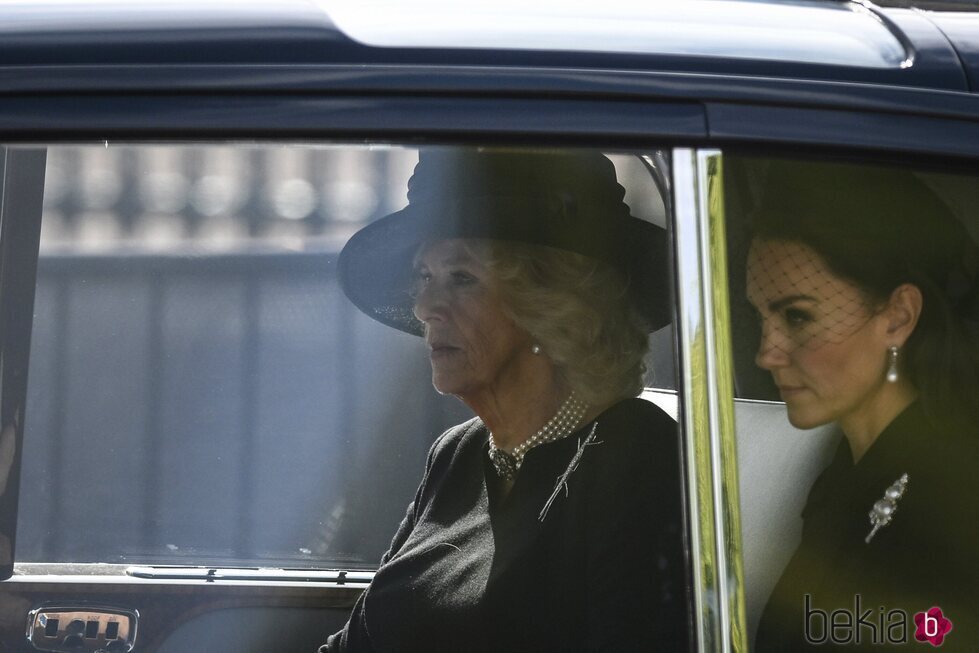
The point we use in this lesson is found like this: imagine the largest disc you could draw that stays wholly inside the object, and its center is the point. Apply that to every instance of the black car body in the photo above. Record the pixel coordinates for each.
(680, 85)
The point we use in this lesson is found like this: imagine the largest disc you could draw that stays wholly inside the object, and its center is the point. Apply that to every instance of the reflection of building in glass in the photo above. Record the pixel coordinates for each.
(224, 198)
(217, 197)
(252, 412)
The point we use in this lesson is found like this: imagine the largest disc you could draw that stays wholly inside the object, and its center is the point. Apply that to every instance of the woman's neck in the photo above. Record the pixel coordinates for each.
(515, 415)
(863, 427)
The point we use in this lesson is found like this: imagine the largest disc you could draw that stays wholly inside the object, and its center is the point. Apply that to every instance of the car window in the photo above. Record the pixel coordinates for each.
(200, 390)
(854, 298)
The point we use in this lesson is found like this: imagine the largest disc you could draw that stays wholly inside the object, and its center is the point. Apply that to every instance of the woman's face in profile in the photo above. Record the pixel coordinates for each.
(474, 346)
(821, 340)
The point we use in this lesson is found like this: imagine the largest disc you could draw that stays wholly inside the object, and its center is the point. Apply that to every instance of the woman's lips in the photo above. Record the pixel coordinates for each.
(787, 391)
(440, 351)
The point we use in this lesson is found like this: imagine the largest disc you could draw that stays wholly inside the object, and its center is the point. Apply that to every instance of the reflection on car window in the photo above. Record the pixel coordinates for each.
(862, 287)
(200, 390)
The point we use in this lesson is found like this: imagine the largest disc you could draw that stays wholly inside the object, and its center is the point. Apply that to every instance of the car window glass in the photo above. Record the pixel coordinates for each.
(200, 390)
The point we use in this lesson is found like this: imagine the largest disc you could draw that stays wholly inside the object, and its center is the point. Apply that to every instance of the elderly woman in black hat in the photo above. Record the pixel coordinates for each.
(553, 520)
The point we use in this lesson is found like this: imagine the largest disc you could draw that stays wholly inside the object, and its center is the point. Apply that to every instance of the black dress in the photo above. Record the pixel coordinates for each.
(927, 556)
(602, 569)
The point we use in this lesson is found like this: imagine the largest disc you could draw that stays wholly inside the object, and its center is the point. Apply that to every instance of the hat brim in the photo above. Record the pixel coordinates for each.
(375, 265)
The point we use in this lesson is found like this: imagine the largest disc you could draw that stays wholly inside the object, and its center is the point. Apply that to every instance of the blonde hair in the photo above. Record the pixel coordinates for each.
(579, 309)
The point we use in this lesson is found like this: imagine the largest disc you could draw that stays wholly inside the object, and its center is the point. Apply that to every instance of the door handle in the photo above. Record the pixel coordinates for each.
(76, 629)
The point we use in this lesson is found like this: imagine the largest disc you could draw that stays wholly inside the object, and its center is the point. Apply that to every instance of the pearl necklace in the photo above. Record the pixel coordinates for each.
(565, 421)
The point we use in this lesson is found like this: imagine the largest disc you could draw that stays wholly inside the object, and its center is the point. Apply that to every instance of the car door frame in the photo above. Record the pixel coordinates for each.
(698, 114)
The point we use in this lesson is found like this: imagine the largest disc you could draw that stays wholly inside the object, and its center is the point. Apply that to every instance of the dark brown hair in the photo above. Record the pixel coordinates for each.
(880, 228)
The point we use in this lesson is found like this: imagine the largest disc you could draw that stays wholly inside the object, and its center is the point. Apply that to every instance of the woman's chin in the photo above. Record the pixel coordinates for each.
(448, 384)
(442, 388)
(804, 420)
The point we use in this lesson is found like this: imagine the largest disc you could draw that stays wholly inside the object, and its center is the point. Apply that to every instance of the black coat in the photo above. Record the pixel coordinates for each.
(927, 556)
(603, 570)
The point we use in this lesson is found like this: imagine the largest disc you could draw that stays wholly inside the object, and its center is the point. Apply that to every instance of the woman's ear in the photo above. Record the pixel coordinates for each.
(902, 312)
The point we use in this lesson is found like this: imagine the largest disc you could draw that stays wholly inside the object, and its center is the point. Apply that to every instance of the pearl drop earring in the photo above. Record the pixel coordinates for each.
(892, 353)
(535, 349)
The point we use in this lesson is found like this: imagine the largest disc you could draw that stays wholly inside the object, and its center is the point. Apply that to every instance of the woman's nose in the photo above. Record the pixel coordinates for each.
(430, 302)
(773, 349)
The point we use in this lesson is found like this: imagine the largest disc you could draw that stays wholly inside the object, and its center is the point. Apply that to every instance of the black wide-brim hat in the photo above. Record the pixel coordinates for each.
(568, 200)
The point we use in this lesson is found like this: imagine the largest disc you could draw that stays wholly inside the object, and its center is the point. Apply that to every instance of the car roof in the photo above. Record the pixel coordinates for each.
(789, 39)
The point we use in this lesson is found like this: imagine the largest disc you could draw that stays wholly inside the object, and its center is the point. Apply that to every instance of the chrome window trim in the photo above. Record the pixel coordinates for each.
(351, 581)
(707, 407)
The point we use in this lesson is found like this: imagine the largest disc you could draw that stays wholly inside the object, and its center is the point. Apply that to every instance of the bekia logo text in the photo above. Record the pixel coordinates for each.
(881, 626)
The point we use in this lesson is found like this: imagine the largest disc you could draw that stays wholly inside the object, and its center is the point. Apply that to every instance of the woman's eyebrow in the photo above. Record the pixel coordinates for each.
(449, 261)
(782, 302)
(457, 259)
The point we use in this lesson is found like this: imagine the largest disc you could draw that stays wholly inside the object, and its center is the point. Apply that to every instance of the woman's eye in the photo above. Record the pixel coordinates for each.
(797, 317)
(462, 278)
